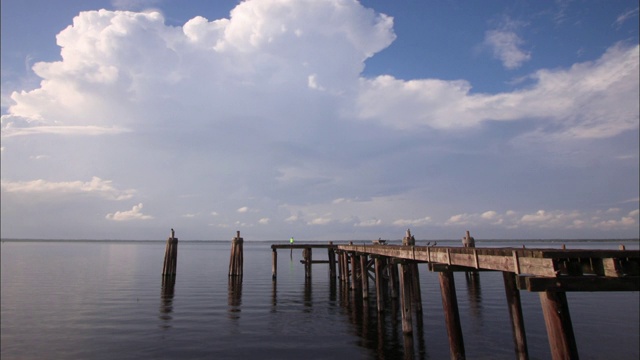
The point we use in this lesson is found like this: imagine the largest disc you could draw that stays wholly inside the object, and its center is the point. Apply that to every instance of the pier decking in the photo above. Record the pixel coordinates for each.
(550, 272)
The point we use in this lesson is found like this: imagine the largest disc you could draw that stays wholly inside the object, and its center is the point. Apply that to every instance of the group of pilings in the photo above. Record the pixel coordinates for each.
(399, 279)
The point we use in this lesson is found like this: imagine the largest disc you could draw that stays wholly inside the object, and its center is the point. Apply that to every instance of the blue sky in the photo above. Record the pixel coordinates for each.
(327, 120)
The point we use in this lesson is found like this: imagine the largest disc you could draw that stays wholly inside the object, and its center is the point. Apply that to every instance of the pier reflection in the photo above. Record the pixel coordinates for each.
(308, 298)
(474, 294)
(234, 298)
(382, 332)
(166, 300)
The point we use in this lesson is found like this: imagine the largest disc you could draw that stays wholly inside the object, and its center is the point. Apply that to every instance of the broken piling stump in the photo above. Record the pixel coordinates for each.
(236, 262)
(170, 256)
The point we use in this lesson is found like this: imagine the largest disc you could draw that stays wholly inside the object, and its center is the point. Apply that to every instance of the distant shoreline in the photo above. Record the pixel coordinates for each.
(314, 241)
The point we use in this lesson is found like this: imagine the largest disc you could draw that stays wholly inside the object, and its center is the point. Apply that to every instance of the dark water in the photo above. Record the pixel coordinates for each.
(107, 300)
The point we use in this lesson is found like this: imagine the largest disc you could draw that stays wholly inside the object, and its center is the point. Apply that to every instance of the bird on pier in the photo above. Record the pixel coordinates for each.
(428, 243)
(434, 243)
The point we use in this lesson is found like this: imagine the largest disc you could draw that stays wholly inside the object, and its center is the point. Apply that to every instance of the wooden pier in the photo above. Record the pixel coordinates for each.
(550, 272)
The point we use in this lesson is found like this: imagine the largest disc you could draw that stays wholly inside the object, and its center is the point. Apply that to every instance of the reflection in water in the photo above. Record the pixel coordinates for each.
(166, 300)
(308, 299)
(382, 332)
(235, 296)
(473, 291)
(274, 295)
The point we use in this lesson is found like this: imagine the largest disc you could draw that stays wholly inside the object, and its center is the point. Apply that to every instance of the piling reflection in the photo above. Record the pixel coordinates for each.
(234, 296)
(473, 291)
(308, 298)
(381, 332)
(166, 300)
(274, 295)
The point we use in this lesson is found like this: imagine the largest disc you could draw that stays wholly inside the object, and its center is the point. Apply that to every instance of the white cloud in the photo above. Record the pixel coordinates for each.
(320, 221)
(96, 185)
(412, 222)
(369, 223)
(506, 48)
(229, 112)
(589, 100)
(128, 215)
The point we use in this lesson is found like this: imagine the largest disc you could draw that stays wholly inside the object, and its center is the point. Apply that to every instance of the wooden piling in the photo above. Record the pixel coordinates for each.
(393, 279)
(364, 276)
(515, 314)
(405, 297)
(332, 261)
(274, 263)
(306, 255)
(237, 258)
(354, 272)
(416, 293)
(558, 322)
(170, 256)
(451, 315)
(468, 240)
(378, 268)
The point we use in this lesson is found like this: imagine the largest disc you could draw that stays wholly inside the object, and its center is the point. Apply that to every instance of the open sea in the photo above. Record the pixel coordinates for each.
(107, 300)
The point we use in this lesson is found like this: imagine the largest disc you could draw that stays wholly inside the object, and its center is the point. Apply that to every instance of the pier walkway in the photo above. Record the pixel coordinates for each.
(550, 272)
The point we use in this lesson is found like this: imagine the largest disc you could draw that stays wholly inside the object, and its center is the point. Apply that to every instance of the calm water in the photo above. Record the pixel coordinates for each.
(106, 300)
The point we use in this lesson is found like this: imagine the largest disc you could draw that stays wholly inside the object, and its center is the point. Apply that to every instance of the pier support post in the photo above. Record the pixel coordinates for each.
(332, 261)
(515, 314)
(344, 259)
(170, 256)
(340, 269)
(306, 254)
(451, 315)
(274, 264)
(405, 297)
(237, 257)
(558, 321)
(379, 293)
(416, 293)
(354, 272)
(364, 276)
(393, 278)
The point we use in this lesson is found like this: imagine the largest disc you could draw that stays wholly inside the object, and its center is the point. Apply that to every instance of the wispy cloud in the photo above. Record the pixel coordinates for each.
(96, 186)
(624, 17)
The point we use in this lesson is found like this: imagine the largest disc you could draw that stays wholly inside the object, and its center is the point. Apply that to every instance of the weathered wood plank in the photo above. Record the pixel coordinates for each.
(488, 259)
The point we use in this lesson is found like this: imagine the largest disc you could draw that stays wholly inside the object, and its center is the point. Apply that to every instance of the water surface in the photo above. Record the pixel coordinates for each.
(108, 300)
